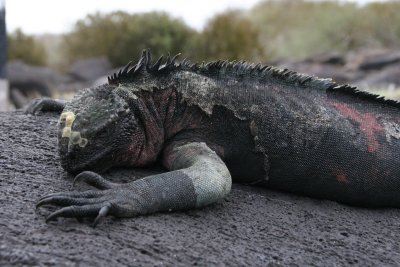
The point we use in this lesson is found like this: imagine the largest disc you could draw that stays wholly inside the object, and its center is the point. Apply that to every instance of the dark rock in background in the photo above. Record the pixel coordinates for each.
(382, 78)
(90, 69)
(379, 60)
(27, 82)
(332, 58)
(251, 227)
(375, 71)
(18, 72)
(332, 71)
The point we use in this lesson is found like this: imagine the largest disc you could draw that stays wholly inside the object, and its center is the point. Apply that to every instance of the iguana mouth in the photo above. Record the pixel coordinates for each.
(73, 161)
(76, 165)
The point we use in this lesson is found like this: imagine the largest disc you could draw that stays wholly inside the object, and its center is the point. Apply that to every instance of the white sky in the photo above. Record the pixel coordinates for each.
(57, 16)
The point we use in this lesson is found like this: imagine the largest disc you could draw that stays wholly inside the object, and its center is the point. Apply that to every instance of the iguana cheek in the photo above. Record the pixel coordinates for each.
(74, 136)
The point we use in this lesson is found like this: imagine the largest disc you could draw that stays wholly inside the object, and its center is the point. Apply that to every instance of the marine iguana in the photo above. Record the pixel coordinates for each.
(206, 122)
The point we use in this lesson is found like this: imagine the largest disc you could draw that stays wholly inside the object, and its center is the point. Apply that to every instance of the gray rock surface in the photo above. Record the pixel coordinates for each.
(252, 227)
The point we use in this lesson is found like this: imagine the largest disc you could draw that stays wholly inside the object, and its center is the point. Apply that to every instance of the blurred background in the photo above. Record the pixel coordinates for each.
(55, 48)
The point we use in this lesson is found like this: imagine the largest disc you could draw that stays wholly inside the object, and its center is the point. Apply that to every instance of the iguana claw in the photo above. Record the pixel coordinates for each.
(102, 213)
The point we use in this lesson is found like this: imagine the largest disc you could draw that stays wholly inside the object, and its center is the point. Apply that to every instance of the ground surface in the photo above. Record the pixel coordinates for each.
(252, 227)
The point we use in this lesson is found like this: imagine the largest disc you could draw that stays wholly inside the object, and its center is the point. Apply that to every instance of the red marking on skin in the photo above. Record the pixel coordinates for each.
(343, 179)
(341, 176)
(369, 125)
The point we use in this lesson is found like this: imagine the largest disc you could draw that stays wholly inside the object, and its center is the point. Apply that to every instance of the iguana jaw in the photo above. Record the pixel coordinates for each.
(76, 154)
(100, 162)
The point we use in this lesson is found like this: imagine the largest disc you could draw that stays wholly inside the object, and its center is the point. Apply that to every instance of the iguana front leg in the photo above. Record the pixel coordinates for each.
(45, 104)
(198, 177)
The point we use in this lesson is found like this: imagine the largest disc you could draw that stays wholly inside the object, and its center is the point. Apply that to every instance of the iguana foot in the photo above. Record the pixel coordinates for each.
(111, 199)
(45, 104)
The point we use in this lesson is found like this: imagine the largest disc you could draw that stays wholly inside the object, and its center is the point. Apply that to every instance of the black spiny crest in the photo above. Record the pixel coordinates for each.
(129, 72)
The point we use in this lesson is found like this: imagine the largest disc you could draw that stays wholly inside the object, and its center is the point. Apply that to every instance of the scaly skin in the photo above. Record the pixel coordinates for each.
(205, 123)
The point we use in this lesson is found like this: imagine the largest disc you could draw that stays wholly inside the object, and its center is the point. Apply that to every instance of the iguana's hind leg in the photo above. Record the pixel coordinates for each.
(45, 104)
(198, 177)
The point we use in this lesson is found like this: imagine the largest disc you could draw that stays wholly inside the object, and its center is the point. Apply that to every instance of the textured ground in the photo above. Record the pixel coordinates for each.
(252, 227)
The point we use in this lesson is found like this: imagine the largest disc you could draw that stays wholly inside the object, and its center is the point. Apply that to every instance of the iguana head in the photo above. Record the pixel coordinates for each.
(95, 127)
(112, 125)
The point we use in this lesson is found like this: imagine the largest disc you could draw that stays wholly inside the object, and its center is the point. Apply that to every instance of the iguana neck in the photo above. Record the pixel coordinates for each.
(162, 114)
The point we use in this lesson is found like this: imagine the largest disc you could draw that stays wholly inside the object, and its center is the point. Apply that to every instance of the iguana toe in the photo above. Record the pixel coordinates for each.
(93, 179)
(65, 201)
(85, 194)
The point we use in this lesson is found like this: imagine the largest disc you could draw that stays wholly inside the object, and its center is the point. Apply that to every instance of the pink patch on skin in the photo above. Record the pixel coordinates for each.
(369, 126)
(343, 179)
(341, 176)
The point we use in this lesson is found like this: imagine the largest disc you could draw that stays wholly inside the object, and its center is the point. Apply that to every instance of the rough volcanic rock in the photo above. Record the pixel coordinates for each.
(252, 227)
